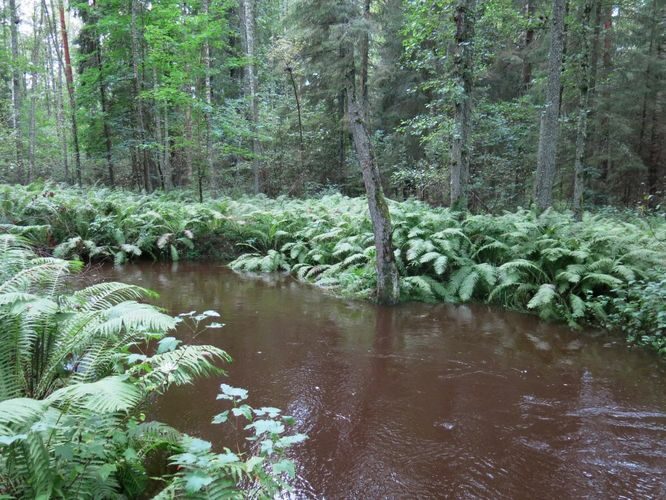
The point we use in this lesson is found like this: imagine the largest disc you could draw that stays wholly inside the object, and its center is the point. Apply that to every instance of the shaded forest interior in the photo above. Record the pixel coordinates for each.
(480, 105)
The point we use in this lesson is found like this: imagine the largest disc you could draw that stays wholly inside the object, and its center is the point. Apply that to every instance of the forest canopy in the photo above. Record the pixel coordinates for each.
(489, 105)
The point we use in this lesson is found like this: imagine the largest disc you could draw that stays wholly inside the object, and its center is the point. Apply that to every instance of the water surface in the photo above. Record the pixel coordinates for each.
(423, 401)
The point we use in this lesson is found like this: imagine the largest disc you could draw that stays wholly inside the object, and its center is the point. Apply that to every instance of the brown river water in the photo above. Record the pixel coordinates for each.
(423, 401)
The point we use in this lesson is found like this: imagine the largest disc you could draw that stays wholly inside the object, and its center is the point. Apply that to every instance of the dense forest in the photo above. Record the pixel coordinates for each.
(503, 152)
(486, 105)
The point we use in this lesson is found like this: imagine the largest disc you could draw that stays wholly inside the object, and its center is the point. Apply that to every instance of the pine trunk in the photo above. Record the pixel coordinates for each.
(549, 129)
(462, 73)
(34, 80)
(527, 45)
(16, 91)
(208, 91)
(250, 84)
(581, 128)
(140, 139)
(69, 79)
(105, 124)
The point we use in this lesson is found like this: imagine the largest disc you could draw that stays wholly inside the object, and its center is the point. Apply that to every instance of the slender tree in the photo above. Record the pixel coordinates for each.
(69, 79)
(16, 90)
(462, 74)
(388, 285)
(549, 130)
(528, 39)
(140, 140)
(583, 111)
(248, 22)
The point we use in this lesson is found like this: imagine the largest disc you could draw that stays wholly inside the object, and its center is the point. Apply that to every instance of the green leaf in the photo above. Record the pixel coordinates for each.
(285, 467)
(232, 393)
(167, 344)
(544, 296)
(221, 418)
(195, 481)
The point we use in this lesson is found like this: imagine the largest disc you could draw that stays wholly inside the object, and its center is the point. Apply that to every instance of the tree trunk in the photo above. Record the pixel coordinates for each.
(166, 162)
(34, 79)
(656, 163)
(208, 91)
(250, 84)
(53, 46)
(581, 136)
(604, 147)
(105, 124)
(365, 58)
(188, 144)
(549, 130)
(16, 90)
(463, 74)
(527, 45)
(388, 284)
(138, 105)
(69, 78)
(300, 122)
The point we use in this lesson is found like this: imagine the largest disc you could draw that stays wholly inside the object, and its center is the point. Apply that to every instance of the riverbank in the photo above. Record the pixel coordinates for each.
(607, 270)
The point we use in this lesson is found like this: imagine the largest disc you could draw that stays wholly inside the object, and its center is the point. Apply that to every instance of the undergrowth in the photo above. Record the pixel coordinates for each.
(549, 264)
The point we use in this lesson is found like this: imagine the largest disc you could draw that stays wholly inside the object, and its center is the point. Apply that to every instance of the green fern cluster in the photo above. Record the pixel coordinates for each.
(549, 264)
(73, 381)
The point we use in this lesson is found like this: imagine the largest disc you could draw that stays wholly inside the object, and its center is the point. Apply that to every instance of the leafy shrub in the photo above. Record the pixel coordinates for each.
(73, 382)
(639, 310)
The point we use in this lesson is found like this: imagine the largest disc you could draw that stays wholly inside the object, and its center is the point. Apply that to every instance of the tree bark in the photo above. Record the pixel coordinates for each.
(365, 58)
(581, 136)
(34, 79)
(16, 90)
(549, 129)
(527, 45)
(604, 146)
(250, 84)
(388, 284)
(208, 91)
(166, 162)
(138, 105)
(463, 75)
(300, 122)
(69, 78)
(105, 124)
(54, 46)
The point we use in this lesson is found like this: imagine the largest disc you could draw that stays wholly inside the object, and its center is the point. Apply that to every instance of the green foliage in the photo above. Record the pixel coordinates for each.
(639, 311)
(73, 382)
(549, 264)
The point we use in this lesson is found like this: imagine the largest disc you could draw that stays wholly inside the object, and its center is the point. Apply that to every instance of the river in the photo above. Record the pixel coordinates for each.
(420, 400)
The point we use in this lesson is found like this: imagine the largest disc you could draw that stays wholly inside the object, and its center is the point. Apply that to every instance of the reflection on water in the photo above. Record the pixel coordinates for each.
(424, 400)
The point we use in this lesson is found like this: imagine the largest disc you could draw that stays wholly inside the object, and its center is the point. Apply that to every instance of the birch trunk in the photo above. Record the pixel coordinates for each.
(462, 74)
(549, 130)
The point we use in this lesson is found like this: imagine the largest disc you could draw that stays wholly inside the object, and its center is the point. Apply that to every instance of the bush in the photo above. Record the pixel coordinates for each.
(640, 312)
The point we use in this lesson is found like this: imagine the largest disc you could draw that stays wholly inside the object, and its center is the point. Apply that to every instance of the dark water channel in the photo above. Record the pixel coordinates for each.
(424, 401)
